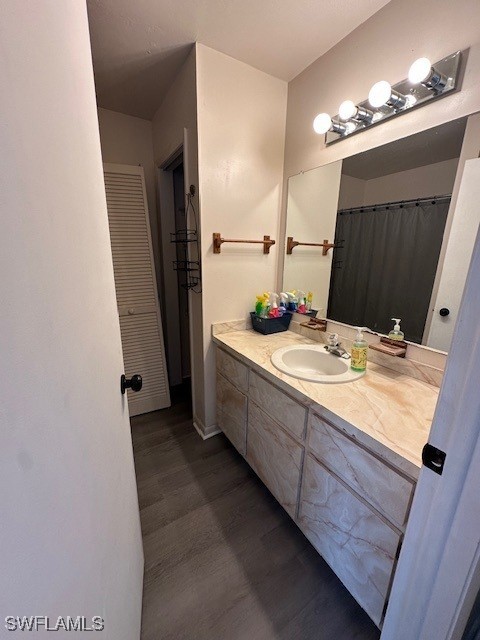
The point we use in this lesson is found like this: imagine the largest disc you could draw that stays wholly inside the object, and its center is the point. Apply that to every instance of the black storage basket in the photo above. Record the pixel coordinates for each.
(310, 314)
(270, 325)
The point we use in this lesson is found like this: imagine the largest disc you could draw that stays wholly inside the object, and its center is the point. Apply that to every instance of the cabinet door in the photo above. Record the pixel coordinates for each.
(357, 543)
(232, 413)
(275, 457)
(286, 411)
(381, 486)
(233, 370)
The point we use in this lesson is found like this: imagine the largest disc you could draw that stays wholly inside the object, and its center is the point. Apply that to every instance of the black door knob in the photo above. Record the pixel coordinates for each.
(134, 383)
(444, 312)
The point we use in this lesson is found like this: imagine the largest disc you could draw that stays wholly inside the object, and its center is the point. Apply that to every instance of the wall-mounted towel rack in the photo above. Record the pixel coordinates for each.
(291, 244)
(218, 241)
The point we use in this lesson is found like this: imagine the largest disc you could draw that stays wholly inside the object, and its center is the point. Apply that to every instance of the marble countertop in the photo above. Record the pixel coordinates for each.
(389, 412)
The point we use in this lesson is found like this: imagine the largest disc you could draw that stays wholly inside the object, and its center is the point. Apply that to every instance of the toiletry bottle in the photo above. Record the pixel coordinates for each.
(273, 312)
(396, 333)
(301, 302)
(266, 305)
(283, 303)
(261, 306)
(359, 352)
(292, 301)
(309, 301)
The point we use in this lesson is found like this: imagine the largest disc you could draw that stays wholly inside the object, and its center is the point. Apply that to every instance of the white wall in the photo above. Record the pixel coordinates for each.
(70, 535)
(174, 125)
(430, 180)
(312, 216)
(177, 111)
(241, 127)
(352, 192)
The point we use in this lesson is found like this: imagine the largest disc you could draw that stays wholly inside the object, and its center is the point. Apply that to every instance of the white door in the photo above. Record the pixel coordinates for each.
(136, 287)
(70, 539)
(457, 258)
(438, 574)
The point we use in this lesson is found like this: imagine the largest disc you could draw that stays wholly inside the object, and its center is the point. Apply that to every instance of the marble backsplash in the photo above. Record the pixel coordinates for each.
(233, 325)
(420, 362)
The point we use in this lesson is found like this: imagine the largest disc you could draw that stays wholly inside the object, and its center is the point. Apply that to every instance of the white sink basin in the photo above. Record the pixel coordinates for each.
(313, 363)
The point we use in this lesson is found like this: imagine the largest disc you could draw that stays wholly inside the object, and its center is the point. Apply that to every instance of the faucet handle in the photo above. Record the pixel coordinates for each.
(333, 340)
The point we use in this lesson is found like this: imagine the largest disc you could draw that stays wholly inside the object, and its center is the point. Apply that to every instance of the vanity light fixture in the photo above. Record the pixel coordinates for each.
(348, 110)
(422, 72)
(425, 82)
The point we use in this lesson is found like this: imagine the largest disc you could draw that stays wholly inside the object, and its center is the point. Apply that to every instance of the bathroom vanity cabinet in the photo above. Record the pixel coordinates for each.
(351, 504)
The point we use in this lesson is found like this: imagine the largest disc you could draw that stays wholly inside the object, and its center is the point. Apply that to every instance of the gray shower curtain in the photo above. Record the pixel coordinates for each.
(387, 265)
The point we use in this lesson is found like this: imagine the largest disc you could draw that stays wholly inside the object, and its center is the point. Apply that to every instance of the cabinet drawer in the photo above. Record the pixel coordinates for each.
(357, 544)
(275, 457)
(277, 404)
(379, 484)
(233, 370)
(232, 413)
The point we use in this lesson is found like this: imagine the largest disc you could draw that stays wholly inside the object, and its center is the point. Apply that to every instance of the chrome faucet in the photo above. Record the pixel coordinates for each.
(334, 346)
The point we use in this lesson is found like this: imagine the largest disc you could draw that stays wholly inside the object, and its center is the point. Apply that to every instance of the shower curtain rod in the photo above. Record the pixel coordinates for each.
(397, 203)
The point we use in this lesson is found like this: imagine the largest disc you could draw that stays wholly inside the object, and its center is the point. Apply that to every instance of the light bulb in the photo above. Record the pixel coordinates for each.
(347, 110)
(322, 123)
(420, 70)
(380, 94)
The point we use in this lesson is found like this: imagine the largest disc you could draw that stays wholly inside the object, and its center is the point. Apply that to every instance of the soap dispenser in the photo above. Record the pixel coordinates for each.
(358, 360)
(396, 333)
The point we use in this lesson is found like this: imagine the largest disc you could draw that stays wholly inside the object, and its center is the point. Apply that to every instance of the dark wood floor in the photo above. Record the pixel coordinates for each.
(223, 561)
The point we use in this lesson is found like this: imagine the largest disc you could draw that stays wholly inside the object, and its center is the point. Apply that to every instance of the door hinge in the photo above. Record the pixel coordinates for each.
(433, 458)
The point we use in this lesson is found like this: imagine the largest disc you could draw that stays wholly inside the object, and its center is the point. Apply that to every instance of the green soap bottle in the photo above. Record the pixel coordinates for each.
(358, 360)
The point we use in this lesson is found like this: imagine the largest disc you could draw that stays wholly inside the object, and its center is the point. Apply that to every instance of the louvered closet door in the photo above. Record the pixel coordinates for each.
(136, 286)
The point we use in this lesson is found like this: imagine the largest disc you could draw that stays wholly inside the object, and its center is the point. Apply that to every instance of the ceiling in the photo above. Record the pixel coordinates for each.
(139, 46)
(433, 145)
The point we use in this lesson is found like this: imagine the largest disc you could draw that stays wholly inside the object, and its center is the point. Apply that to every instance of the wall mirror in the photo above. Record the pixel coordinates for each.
(390, 214)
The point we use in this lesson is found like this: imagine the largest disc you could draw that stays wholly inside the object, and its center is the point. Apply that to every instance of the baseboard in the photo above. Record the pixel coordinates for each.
(205, 432)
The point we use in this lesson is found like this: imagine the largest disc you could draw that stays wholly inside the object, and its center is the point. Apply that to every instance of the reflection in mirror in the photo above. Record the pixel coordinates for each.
(312, 210)
(388, 210)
